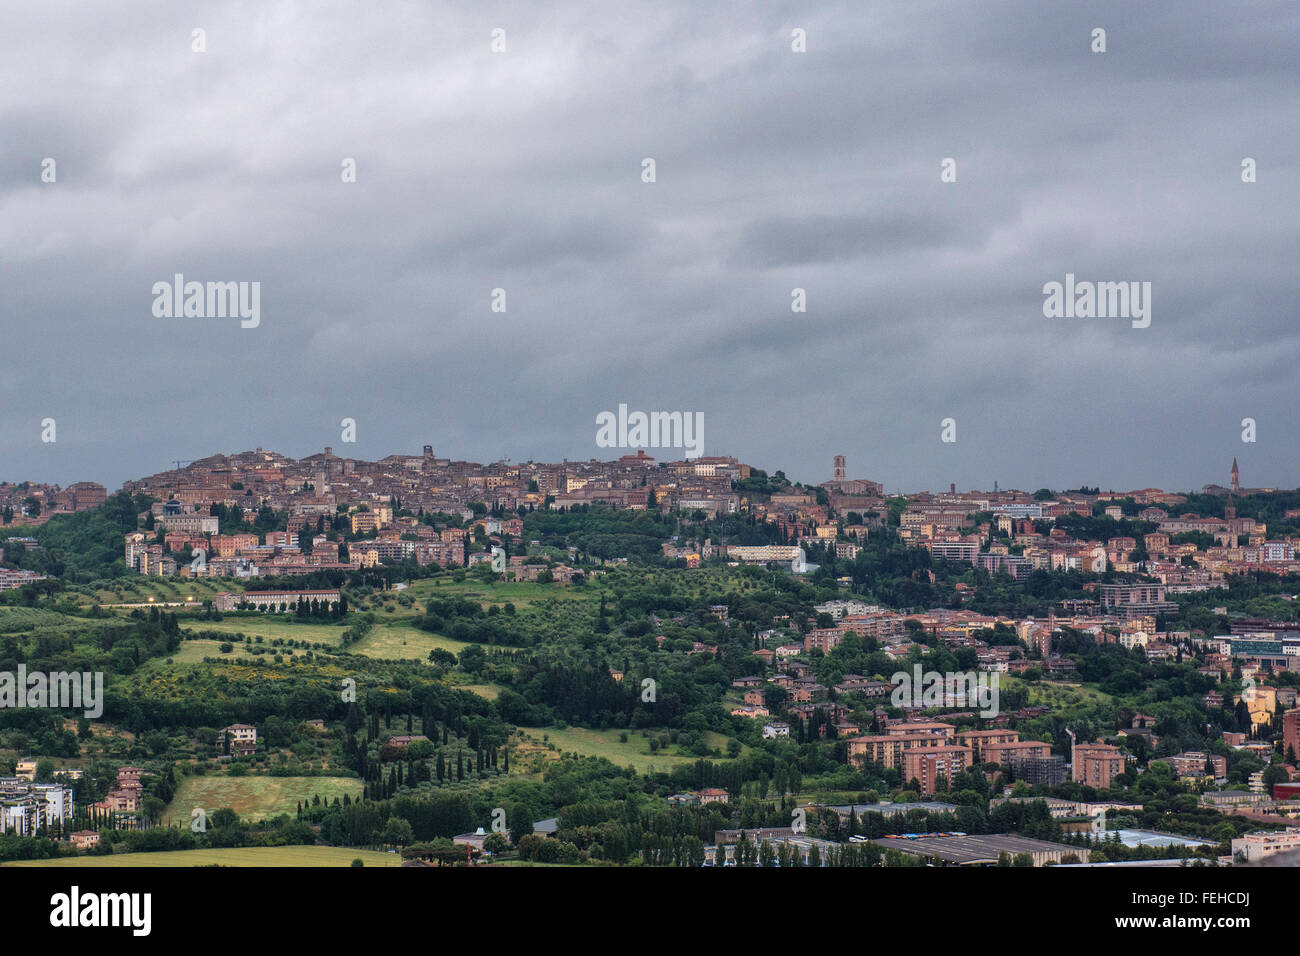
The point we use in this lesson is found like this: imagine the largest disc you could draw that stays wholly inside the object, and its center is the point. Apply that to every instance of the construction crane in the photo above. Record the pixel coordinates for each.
(187, 462)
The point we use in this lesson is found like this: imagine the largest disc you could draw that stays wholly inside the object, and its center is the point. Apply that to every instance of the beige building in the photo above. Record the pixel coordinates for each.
(1254, 847)
(1096, 764)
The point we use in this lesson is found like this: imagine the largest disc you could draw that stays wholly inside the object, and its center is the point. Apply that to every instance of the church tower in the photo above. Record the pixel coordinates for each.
(1230, 509)
(841, 473)
(1236, 484)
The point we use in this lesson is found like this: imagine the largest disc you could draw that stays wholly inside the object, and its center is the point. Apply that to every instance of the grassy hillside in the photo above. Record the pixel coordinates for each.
(254, 797)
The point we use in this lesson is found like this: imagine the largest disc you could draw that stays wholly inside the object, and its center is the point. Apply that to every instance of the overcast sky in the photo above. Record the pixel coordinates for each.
(775, 170)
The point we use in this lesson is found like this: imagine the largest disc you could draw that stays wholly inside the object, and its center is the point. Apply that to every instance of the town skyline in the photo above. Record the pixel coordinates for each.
(807, 477)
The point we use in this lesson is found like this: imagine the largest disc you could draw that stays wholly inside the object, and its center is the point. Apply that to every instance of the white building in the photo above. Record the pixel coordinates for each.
(26, 808)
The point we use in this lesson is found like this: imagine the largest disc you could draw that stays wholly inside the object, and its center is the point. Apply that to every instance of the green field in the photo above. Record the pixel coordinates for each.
(400, 642)
(193, 652)
(137, 589)
(1057, 694)
(237, 856)
(270, 627)
(395, 640)
(635, 753)
(519, 593)
(255, 797)
(29, 620)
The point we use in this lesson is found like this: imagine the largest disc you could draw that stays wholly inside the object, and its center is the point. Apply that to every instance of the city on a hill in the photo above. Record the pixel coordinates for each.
(423, 661)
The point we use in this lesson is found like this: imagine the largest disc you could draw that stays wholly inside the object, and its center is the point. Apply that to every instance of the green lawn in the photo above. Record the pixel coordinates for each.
(255, 797)
(237, 856)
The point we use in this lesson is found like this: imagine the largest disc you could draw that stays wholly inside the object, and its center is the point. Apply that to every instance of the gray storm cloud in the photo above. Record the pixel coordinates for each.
(775, 170)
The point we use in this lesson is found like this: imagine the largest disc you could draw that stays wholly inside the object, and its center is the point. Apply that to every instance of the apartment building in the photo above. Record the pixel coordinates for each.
(1096, 764)
(930, 764)
(1116, 595)
(887, 749)
(1015, 750)
(1291, 733)
(980, 740)
(26, 807)
(1197, 764)
(1047, 771)
(763, 553)
(966, 551)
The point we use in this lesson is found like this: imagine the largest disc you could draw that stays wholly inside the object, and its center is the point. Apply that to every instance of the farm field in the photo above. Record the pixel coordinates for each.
(255, 797)
(191, 652)
(401, 642)
(138, 589)
(519, 593)
(236, 856)
(395, 640)
(270, 627)
(24, 620)
(635, 753)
